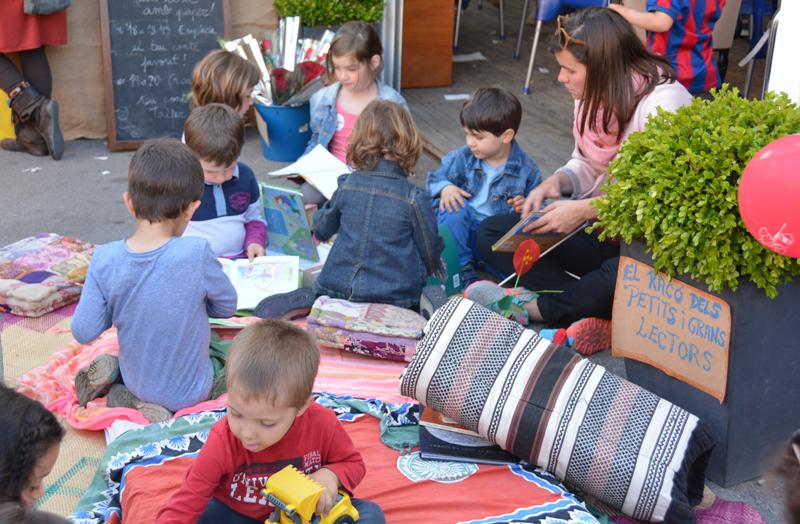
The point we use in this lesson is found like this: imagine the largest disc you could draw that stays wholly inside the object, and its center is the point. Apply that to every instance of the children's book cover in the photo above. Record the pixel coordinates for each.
(440, 444)
(434, 419)
(547, 241)
(288, 230)
(262, 277)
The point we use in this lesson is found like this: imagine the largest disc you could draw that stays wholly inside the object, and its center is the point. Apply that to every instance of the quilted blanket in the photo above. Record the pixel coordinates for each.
(42, 273)
(141, 470)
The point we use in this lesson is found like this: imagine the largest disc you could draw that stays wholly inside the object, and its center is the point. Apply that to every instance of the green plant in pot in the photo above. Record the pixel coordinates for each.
(676, 185)
(331, 13)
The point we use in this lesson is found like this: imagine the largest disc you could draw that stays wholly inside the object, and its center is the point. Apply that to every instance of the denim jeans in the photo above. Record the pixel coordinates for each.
(216, 512)
(582, 254)
(463, 225)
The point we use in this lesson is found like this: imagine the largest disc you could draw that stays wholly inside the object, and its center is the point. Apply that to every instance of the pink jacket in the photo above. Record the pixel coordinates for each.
(588, 173)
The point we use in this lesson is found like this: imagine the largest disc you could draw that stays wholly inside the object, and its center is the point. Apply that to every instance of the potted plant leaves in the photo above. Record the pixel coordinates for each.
(319, 15)
(674, 204)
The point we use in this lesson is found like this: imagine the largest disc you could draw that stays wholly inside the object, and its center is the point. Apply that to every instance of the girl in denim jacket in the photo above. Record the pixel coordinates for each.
(354, 60)
(387, 240)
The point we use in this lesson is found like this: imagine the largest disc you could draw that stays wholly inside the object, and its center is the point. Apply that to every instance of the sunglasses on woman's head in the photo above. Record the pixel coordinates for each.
(563, 37)
(796, 445)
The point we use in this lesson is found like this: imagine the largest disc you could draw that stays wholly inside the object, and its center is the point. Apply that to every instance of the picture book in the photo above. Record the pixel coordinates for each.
(547, 241)
(319, 168)
(452, 267)
(262, 277)
(434, 419)
(440, 444)
(288, 230)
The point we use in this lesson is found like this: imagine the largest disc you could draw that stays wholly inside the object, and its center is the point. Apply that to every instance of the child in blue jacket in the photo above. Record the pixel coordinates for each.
(484, 177)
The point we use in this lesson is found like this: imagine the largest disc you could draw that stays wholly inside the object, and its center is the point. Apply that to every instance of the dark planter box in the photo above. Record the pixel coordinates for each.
(762, 399)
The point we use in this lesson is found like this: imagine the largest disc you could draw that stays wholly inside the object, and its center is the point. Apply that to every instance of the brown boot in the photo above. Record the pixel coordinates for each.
(40, 114)
(28, 141)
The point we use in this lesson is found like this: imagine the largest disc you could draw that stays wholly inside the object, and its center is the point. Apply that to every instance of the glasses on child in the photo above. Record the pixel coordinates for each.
(564, 38)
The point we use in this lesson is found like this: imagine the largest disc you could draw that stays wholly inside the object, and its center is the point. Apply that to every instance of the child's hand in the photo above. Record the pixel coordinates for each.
(254, 250)
(517, 203)
(330, 481)
(452, 198)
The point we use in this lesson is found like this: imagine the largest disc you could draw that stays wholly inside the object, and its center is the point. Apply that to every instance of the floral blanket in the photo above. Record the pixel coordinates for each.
(142, 468)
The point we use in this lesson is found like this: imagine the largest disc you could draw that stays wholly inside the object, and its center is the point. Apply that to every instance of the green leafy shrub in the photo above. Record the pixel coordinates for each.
(676, 189)
(331, 12)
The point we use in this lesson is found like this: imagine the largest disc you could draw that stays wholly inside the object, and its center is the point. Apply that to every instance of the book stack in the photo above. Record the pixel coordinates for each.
(442, 438)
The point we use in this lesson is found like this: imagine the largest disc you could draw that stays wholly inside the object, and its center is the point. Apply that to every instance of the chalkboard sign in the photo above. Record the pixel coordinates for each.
(149, 50)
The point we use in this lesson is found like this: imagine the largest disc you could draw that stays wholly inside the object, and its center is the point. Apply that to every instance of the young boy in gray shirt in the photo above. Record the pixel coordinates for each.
(158, 289)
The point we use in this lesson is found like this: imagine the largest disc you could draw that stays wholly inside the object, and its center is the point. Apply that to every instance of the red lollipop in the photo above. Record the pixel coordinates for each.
(769, 196)
(525, 257)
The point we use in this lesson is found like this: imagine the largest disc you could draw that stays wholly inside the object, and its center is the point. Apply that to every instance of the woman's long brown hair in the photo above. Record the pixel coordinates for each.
(607, 45)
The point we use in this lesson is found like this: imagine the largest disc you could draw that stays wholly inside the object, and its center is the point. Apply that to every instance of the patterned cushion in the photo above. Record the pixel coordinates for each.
(41, 273)
(377, 330)
(633, 451)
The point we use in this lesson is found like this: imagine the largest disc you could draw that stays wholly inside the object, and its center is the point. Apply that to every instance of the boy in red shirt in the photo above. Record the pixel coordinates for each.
(272, 422)
(681, 30)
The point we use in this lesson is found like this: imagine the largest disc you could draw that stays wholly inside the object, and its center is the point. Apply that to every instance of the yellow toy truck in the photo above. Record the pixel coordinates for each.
(295, 497)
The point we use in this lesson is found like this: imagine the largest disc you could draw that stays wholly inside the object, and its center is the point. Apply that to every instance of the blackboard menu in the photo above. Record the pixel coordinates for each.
(149, 50)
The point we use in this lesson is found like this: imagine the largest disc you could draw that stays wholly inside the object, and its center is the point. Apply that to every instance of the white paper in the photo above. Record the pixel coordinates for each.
(471, 57)
(319, 167)
(261, 278)
(459, 96)
(118, 427)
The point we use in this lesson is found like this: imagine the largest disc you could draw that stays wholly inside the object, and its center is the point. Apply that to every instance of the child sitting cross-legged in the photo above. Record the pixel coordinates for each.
(272, 422)
(158, 288)
(490, 175)
(387, 242)
(230, 215)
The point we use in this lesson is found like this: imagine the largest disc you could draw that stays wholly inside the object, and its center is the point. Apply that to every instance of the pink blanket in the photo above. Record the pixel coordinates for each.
(53, 384)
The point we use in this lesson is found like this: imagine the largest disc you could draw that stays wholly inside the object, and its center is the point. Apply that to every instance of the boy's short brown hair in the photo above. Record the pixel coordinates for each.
(384, 130)
(215, 132)
(492, 109)
(274, 361)
(164, 178)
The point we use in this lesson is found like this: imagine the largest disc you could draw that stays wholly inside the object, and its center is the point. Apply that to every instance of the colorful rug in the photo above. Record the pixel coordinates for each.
(52, 383)
(141, 470)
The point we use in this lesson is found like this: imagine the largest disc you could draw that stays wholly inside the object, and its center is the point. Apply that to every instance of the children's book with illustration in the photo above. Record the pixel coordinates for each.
(440, 444)
(288, 230)
(262, 277)
(434, 419)
(319, 168)
(547, 241)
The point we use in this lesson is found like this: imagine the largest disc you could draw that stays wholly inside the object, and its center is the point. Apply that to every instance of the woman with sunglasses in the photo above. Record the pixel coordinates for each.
(617, 83)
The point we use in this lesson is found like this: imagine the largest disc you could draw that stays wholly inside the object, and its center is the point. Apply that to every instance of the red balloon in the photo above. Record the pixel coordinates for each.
(525, 256)
(769, 196)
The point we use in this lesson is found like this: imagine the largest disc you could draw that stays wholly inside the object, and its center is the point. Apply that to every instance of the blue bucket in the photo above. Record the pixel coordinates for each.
(288, 130)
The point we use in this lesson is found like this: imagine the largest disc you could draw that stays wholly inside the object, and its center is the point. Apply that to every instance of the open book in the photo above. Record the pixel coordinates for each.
(288, 230)
(319, 168)
(262, 277)
(547, 241)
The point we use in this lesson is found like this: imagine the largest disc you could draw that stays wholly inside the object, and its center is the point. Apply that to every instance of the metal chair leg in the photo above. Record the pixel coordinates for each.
(521, 28)
(458, 24)
(502, 23)
(526, 89)
(748, 79)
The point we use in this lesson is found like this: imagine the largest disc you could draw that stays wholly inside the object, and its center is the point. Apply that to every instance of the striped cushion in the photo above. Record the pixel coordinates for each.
(633, 451)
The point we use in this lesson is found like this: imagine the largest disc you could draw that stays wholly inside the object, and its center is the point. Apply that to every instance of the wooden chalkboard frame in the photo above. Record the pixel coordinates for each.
(108, 75)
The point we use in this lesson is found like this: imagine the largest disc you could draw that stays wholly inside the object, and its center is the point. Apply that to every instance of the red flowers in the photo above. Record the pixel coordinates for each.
(285, 83)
